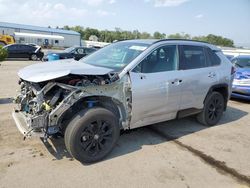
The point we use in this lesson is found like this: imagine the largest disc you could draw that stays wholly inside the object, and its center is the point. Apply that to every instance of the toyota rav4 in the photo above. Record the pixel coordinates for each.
(125, 85)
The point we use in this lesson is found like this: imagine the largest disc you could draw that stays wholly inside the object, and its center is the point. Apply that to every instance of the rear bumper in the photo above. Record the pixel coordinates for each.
(23, 126)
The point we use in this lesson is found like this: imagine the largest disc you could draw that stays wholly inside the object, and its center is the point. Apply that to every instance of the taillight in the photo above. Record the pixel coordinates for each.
(233, 70)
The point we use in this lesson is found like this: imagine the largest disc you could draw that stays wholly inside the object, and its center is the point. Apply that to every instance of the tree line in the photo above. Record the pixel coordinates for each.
(119, 34)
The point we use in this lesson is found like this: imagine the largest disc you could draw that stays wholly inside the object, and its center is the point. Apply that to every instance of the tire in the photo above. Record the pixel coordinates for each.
(33, 57)
(92, 134)
(213, 109)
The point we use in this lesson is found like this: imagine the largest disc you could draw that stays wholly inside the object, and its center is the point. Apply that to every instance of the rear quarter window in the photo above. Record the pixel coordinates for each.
(212, 58)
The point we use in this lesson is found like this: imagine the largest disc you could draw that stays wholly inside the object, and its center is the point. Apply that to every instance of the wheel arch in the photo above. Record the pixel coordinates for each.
(106, 102)
(222, 89)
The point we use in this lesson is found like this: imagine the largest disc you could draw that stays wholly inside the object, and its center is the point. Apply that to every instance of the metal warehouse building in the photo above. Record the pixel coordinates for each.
(40, 35)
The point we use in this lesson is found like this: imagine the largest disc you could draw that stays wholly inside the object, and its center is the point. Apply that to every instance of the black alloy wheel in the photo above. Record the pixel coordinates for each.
(213, 109)
(92, 134)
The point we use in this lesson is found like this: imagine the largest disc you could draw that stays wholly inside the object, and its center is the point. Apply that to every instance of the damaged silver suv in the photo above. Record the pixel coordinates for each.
(125, 85)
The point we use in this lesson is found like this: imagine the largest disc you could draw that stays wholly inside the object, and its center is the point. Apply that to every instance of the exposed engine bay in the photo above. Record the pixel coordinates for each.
(48, 105)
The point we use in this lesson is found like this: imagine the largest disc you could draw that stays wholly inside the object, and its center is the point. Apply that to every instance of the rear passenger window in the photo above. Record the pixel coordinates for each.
(192, 57)
(212, 58)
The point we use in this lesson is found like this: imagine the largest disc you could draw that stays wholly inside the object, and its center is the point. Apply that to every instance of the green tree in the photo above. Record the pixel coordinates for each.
(158, 35)
(119, 34)
(66, 27)
(216, 40)
(3, 53)
(145, 35)
(179, 36)
(90, 31)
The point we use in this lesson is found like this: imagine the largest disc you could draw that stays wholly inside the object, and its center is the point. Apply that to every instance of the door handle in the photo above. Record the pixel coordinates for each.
(142, 76)
(178, 81)
(211, 74)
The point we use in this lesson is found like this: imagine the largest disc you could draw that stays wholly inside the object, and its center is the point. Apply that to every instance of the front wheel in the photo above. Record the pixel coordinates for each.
(213, 109)
(92, 134)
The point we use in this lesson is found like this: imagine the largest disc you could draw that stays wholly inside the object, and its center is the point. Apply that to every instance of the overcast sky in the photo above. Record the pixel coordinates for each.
(228, 18)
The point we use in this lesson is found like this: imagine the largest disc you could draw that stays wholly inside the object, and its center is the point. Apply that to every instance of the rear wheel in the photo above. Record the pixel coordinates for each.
(213, 109)
(92, 134)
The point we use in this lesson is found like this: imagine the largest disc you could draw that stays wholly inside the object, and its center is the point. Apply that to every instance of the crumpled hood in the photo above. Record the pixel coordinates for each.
(41, 72)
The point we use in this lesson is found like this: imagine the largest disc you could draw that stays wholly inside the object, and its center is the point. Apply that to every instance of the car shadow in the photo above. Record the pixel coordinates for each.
(134, 140)
(6, 100)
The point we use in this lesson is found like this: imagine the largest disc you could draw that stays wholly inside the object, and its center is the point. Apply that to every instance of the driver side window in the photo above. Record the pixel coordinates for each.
(160, 60)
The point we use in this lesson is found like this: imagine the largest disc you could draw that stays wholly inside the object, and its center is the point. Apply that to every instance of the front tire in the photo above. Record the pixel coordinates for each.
(92, 134)
(213, 109)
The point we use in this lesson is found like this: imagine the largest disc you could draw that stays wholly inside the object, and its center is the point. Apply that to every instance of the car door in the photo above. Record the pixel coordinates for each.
(156, 87)
(22, 51)
(13, 51)
(197, 75)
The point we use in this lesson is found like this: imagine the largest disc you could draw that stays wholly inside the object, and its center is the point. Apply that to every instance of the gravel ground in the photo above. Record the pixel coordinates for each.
(178, 153)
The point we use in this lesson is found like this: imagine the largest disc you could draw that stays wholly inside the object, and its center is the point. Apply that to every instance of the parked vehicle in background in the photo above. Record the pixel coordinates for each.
(122, 86)
(6, 39)
(69, 53)
(230, 57)
(241, 83)
(24, 51)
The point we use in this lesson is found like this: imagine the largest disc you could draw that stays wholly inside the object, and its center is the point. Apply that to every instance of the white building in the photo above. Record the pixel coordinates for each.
(41, 35)
(96, 44)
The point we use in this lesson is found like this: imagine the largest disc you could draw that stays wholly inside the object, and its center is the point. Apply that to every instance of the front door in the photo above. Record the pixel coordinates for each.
(156, 87)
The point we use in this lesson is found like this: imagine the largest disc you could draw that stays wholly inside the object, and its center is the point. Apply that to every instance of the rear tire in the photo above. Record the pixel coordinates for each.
(92, 134)
(213, 109)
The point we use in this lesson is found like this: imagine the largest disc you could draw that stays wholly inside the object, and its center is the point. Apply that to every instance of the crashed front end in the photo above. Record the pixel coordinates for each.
(35, 104)
(41, 106)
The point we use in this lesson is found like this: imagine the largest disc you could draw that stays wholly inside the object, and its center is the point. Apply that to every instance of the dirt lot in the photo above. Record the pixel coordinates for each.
(179, 153)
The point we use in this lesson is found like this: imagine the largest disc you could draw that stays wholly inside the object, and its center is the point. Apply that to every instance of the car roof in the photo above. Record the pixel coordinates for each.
(177, 41)
(15, 44)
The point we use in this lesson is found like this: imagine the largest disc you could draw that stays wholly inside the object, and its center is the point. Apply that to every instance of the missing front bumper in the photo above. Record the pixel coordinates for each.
(22, 125)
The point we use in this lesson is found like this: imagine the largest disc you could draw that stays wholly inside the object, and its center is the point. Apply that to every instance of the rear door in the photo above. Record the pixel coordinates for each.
(197, 75)
(156, 87)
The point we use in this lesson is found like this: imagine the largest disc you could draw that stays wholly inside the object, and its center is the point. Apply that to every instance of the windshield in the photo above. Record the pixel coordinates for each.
(69, 50)
(242, 62)
(115, 56)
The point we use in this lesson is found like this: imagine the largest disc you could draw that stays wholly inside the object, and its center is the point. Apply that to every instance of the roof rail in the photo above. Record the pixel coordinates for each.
(161, 40)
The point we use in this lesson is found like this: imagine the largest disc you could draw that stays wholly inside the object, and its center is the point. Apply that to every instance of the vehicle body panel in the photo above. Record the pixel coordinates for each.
(140, 98)
(241, 83)
(156, 97)
(191, 96)
(47, 71)
(76, 53)
(23, 51)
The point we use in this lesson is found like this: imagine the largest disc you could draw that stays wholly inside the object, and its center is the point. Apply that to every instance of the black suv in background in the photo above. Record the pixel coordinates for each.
(76, 53)
(24, 51)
